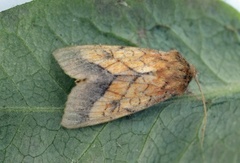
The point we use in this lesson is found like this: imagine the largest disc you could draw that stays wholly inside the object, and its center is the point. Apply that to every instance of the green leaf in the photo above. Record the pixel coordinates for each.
(33, 88)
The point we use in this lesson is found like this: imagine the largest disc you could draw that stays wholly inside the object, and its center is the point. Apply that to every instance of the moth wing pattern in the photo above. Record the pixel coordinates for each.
(115, 81)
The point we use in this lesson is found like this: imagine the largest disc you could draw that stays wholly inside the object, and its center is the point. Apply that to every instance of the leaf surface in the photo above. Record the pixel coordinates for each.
(34, 89)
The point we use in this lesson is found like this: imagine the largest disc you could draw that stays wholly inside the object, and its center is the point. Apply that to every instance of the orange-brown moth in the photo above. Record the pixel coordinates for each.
(115, 81)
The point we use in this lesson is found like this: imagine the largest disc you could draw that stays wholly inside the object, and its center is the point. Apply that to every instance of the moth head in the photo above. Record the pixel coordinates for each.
(193, 71)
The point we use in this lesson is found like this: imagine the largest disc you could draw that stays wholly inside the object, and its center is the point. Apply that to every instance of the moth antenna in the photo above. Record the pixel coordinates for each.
(204, 109)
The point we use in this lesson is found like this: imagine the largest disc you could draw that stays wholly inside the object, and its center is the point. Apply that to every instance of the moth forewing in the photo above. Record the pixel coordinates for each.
(115, 81)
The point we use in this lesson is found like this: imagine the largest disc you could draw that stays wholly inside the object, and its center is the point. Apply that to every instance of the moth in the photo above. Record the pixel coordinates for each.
(115, 81)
